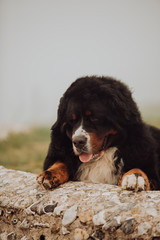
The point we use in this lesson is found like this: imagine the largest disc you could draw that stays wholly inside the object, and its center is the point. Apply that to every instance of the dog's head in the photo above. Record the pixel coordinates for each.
(94, 113)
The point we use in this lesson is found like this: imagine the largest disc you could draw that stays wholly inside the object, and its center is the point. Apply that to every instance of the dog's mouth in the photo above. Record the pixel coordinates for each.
(86, 157)
(87, 154)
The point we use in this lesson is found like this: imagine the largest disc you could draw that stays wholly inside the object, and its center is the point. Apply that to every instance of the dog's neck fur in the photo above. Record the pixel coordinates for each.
(100, 170)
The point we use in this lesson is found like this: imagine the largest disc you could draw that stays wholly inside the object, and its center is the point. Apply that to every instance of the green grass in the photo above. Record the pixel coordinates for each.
(154, 122)
(25, 151)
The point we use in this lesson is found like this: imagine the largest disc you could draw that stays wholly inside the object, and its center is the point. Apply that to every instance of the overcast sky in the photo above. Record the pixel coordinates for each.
(46, 44)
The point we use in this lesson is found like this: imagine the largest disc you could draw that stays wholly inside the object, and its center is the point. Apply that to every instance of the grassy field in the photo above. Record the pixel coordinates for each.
(27, 151)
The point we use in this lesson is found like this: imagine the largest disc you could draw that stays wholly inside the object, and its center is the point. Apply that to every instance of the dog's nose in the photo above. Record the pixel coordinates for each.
(79, 141)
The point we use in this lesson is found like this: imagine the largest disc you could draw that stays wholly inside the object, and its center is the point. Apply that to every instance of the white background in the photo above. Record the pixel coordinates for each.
(46, 44)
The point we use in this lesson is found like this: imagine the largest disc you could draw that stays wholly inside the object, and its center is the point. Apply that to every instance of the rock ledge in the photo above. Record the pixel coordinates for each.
(74, 211)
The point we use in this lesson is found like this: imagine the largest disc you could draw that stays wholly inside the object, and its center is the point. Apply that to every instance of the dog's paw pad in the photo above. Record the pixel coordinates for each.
(56, 175)
(48, 180)
(135, 180)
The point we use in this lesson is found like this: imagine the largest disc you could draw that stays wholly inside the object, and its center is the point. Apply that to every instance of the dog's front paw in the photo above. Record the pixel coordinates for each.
(135, 180)
(54, 176)
(49, 179)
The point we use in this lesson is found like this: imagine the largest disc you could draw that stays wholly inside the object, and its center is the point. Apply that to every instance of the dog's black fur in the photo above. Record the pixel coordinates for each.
(112, 106)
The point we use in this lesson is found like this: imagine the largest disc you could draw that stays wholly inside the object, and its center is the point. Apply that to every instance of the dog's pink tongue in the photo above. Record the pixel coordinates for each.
(85, 157)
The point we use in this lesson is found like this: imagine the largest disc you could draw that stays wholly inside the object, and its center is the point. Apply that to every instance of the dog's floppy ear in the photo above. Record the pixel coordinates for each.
(58, 136)
(60, 115)
(60, 143)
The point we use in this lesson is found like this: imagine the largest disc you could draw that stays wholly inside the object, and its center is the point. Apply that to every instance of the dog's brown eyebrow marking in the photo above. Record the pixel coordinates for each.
(74, 116)
(64, 124)
(88, 113)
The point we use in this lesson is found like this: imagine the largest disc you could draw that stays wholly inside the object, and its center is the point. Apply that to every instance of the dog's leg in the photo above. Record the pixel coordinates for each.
(54, 176)
(135, 180)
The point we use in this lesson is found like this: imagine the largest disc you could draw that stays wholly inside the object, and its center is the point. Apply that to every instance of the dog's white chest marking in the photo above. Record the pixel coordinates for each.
(100, 170)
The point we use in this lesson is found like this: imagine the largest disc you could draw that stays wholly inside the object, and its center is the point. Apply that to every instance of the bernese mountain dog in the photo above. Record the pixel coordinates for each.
(100, 137)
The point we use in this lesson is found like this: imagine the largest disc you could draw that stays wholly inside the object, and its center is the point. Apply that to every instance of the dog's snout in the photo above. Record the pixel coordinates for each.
(79, 141)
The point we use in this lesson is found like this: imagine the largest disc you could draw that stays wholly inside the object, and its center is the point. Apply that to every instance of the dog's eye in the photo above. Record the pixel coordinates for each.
(72, 121)
(93, 119)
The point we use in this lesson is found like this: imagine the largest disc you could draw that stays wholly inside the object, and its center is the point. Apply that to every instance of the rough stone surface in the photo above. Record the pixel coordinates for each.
(75, 210)
(69, 215)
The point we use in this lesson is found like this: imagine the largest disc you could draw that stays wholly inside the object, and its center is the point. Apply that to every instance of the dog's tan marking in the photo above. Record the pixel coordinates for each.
(88, 113)
(96, 142)
(54, 176)
(74, 116)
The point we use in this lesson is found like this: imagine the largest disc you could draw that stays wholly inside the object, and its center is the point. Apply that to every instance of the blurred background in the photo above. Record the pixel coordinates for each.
(46, 45)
